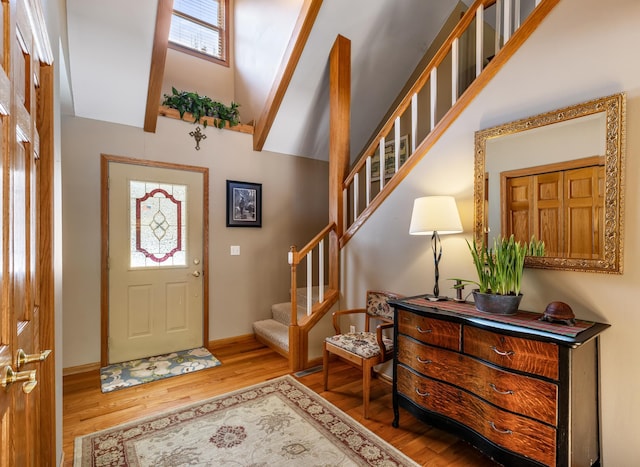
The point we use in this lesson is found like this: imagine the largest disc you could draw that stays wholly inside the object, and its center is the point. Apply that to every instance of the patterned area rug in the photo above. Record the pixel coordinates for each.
(145, 370)
(277, 423)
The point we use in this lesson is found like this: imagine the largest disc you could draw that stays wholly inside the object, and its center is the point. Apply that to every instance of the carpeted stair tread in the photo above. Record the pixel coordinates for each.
(273, 331)
(281, 312)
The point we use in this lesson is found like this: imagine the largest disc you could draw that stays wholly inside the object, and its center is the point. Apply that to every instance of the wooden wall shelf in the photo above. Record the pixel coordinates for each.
(173, 113)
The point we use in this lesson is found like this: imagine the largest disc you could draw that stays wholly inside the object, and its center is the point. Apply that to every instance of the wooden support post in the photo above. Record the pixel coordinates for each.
(339, 145)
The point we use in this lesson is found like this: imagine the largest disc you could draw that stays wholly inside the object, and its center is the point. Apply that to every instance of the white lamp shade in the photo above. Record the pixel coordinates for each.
(435, 213)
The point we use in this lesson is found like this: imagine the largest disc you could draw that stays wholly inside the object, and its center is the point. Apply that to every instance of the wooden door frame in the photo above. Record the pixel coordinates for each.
(104, 249)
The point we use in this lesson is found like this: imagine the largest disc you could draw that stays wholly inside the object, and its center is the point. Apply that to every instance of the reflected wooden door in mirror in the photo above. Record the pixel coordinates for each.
(560, 204)
(559, 177)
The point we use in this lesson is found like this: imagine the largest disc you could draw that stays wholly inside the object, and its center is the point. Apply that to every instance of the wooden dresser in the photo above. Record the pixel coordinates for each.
(523, 391)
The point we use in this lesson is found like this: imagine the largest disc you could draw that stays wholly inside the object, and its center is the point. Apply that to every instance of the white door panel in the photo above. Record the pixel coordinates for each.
(155, 246)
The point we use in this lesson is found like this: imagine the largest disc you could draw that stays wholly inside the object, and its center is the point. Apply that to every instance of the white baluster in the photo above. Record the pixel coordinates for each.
(396, 135)
(454, 71)
(356, 189)
(517, 13)
(309, 282)
(507, 21)
(368, 178)
(434, 95)
(382, 162)
(321, 271)
(345, 207)
(414, 121)
(479, 40)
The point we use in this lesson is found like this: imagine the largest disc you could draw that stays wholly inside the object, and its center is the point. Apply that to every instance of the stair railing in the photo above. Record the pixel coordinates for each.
(318, 263)
(404, 139)
(423, 114)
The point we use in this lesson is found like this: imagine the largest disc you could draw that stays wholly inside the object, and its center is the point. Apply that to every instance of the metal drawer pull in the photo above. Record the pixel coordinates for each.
(504, 393)
(504, 432)
(422, 394)
(423, 331)
(427, 361)
(502, 352)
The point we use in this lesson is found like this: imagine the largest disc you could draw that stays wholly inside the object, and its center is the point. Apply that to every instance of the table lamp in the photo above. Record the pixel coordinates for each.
(435, 216)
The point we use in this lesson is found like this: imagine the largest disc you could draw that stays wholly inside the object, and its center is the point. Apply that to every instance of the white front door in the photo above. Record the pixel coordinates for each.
(155, 260)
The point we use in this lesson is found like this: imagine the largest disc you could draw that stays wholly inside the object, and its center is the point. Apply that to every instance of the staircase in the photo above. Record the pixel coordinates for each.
(487, 35)
(274, 332)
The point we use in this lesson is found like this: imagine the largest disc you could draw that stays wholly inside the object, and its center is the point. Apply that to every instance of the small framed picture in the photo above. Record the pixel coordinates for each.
(244, 204)
(389, 159)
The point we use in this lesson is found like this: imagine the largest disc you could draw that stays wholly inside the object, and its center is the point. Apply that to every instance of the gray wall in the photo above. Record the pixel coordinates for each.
(242, 288)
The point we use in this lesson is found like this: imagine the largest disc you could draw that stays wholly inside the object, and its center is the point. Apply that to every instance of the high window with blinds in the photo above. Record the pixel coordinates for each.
(199, 27)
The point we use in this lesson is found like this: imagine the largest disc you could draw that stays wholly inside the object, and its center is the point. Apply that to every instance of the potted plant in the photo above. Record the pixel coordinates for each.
(500, 271)
(202, 106)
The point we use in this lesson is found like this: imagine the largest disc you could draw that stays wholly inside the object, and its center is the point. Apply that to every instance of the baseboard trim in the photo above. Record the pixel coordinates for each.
(74, 370)
(230, 341)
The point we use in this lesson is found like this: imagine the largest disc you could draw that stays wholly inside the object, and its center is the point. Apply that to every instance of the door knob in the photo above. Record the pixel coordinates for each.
(195, 273)
(27, 377)
(23, 358)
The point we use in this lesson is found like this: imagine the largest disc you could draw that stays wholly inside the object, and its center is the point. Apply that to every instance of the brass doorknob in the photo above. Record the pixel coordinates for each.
(196, 273)
(27, 377)
(23, 358)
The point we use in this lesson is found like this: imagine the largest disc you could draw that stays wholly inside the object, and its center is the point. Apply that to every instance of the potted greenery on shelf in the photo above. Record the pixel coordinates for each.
(500, 271)
(202, 106)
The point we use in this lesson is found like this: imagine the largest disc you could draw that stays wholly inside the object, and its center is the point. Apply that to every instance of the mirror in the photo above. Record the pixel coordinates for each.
(556, 144)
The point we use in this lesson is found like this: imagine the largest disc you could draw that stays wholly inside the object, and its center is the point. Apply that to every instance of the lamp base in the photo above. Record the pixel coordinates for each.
(439, 298)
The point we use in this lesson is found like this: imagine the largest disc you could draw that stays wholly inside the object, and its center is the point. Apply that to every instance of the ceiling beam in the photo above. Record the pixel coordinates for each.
(158, 59)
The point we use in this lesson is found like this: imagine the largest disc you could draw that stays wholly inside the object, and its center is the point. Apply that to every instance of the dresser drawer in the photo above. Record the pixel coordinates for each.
(539, 358)
(430, 331)
(517, 393)
(513, 432)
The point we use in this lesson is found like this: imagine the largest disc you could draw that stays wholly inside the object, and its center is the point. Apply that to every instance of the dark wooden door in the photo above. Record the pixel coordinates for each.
(27, 433)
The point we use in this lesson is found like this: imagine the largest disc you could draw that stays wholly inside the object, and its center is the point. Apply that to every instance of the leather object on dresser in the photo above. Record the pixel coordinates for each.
(523, 391)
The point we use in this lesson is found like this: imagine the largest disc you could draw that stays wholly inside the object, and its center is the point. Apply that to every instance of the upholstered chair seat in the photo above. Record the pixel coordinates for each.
(363, 344)
(363, 349)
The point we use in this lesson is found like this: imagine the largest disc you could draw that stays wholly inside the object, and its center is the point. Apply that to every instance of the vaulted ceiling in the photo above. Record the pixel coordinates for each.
(109, 58)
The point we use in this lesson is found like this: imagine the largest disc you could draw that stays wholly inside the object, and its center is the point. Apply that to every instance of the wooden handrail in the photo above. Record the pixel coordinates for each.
(542, 9)
(295, 257)
(437, 59)
(299, 330)
(310, 321)
(313, 243)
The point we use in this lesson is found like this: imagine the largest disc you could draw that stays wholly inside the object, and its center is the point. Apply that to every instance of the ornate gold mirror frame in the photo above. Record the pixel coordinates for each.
(614, 110)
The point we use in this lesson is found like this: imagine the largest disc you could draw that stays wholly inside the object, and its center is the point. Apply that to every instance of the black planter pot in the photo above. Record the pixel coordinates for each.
(495, 303)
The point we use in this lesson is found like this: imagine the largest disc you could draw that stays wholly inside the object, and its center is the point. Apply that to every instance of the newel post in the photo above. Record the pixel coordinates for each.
(294, 329)
(339, 146)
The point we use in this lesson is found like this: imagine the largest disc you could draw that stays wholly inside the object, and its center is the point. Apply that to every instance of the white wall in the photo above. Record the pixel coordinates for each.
(188, 73)
(585, 49)
(261, 37)
(242, 288)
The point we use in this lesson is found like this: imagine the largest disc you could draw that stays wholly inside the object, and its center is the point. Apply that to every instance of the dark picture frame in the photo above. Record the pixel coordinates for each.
(244, 204)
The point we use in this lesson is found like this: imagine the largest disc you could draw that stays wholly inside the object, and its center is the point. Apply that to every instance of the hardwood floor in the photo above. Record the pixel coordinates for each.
(86, 409)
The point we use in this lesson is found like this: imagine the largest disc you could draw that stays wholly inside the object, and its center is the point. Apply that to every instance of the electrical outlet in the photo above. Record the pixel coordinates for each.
(235, 250)
(352, 329)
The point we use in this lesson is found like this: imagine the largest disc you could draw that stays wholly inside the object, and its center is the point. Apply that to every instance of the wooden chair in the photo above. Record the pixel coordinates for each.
(363, 349)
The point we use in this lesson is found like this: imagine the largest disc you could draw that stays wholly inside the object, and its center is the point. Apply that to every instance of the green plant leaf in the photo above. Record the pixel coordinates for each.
(202, 106)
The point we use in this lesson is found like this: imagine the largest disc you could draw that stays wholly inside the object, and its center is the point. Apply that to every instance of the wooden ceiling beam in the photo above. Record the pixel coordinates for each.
(158, 59)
